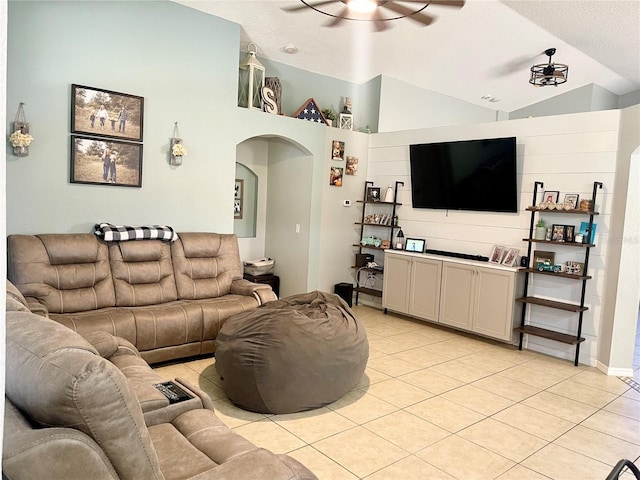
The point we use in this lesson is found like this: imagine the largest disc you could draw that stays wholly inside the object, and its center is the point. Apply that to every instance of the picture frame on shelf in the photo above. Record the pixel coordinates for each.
(572, 198)
(101, 161)
(557, 233)
(511, 257)
(414, 245)
(551, 196)
(541, 256)
(105, 113)
(574, 268)
(373, 194)
(497, 253)
(569, 233)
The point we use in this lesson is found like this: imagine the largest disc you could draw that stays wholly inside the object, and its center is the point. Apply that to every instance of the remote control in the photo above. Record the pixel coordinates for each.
(173, 392)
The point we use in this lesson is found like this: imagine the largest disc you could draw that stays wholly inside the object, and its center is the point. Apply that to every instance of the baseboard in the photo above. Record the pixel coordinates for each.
(615, 372)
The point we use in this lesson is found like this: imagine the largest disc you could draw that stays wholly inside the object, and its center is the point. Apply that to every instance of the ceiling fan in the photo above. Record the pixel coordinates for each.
(546, 74)
(375, 10)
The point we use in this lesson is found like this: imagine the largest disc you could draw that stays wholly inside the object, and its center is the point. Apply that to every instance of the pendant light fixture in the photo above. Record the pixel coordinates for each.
(546, 74)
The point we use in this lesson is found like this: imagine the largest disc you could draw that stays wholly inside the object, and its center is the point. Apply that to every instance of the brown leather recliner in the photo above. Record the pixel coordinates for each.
(71, 413)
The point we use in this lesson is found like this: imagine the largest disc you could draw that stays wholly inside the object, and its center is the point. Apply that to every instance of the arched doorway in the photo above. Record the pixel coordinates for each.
(283, 174)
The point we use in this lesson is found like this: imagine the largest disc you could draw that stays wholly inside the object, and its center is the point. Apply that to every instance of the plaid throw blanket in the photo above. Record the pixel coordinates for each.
(120, 233)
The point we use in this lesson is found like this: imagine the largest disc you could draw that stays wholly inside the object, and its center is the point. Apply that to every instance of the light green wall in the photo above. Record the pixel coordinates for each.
(184, 64)
(300, 85)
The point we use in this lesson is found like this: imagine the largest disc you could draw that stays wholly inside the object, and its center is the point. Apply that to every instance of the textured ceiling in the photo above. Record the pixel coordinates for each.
(485, 48)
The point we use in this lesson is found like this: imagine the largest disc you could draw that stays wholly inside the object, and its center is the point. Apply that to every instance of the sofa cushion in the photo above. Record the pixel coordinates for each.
(142, 273)
(57, 379)
(64, 272)
(205, 264)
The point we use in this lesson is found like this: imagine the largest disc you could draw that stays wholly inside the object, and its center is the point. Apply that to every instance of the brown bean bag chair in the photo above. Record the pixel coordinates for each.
(293, 354)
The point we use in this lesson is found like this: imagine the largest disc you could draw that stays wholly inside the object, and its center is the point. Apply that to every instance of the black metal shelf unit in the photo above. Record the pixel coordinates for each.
(527, 299)
(390, 230)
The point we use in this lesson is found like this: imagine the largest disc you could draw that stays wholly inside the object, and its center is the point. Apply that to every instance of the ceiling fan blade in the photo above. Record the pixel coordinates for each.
(338, 18)
(422, 18)
(443, 3)
(379, 24)
(305, 5)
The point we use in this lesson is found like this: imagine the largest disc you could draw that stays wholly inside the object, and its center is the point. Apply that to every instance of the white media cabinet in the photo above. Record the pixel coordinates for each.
(468, 295)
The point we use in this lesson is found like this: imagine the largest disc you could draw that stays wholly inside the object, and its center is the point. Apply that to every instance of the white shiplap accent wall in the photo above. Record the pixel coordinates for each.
(568, 153)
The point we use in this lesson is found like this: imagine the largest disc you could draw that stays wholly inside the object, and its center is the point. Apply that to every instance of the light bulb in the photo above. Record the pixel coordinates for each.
(362, 6)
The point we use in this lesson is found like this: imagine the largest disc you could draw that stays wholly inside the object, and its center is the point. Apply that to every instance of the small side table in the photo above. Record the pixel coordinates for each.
(269, 279)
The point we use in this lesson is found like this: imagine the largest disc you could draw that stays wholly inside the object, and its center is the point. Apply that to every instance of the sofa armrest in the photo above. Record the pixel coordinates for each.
(36, 307)
(109, 346)
(170, 412)
(261, 291)
(53, 453)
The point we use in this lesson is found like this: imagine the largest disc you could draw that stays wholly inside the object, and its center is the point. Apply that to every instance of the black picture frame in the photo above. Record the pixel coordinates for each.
(569, 233)
(373, 194)
(551, 196)
(558, 233)
(125, 113)
(573, 198)
(89, 163)
(414, 245)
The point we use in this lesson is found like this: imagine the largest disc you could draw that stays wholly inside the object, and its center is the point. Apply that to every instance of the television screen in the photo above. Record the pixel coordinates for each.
(465, 175)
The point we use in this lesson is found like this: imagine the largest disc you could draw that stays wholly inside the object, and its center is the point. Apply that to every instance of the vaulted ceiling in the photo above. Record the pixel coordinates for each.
(485, 48)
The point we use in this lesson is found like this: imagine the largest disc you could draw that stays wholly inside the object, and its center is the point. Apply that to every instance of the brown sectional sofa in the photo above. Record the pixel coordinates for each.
(168, 299)
(85, 408)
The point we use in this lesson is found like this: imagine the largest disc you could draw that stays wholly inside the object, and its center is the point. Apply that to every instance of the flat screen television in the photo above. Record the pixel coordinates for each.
(465, 175)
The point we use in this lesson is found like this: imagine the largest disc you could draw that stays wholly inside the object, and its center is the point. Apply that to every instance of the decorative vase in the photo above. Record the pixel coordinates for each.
(388, 198)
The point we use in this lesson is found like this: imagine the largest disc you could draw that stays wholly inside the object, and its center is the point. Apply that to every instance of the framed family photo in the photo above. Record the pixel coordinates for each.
(103, 113)
(105, 162)
(238, 199)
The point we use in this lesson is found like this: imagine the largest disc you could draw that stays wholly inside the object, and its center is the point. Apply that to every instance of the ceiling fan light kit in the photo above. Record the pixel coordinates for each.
(362, 6)
(547, 74)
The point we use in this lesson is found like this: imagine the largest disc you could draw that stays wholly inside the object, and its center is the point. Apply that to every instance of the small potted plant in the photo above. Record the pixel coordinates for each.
(329, 115)
(541, 230)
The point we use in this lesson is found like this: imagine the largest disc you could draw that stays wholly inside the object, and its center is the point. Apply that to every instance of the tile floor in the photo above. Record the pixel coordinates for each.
(435, 404)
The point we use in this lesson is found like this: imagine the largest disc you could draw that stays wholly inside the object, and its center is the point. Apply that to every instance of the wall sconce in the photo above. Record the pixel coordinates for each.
(177, 147)
(251, 81)
(20, 138)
